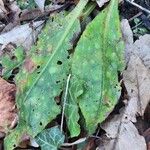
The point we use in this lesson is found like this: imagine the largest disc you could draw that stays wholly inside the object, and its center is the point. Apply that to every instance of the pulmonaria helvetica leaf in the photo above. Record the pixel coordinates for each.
(42, 76)
(97, 59)
(50, 139)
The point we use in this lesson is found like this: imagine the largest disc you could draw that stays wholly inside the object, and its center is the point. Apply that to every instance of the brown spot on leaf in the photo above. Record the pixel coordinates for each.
(106, 101)
(29, 65)
(7, 105)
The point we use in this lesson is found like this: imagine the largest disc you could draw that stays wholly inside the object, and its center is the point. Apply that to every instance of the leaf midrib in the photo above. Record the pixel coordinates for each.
(103, 53)
(76, 12)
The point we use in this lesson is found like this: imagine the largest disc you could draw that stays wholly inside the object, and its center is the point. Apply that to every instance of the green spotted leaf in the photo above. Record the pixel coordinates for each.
(72, 108)
(42, 76)
(97, 59)
(50, 139)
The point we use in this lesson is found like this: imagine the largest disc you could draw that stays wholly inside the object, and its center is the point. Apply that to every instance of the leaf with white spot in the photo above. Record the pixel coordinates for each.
(50, 139)
(9, 63)
(97, 59)
(42, 76)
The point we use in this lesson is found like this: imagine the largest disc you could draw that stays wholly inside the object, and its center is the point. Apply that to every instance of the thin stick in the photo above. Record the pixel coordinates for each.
(137, 15)
(65, 98)
(138, 6)
(75, 143)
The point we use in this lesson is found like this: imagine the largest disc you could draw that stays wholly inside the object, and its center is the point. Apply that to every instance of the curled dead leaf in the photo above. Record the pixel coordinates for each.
(137, 75)
(137, 81)
(121, 134)
(24, 35)
(7, 106)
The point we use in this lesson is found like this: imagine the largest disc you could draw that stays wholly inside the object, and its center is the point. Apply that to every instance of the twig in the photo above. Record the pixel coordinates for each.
(36, 13)
(75, 143)
(138, 6)
(137, 15)
(81, 140)
(65, 98)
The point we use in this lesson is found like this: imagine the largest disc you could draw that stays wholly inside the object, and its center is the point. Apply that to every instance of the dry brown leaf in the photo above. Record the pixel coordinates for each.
(137, 81)
(3, 11)
(137, 76)
(142, 49)
(102, 2)
(7, 105)
(40, 4)
(24, 35)
(2, 7)
(122, 134)
(28, 14)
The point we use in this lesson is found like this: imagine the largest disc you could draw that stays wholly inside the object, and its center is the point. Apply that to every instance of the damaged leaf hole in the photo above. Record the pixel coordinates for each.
(14, 145)
(59, 62)
(41, 124)
(70, 51)
(15, 71)
(57, 99)
(38, 67)
(13, 58)
(57, 81)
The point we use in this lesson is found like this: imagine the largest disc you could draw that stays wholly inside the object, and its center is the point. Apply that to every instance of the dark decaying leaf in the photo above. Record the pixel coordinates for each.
(40, 84)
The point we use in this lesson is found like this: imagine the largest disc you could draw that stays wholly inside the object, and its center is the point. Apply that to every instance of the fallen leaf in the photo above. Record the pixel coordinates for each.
(102, 2)
(121, 134)
(141, 48)
(127, 37)
(3, 10)
(23, 35)
(40, 4)
(146, 134)
(14, 12)
(7, 105)
(136, 77)
(32, 14)
(137, 81)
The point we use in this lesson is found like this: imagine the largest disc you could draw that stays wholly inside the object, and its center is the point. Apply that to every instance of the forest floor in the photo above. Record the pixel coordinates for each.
(75, 74)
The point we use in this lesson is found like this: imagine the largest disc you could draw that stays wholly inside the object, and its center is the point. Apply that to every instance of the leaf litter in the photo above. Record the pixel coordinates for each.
(8, 111)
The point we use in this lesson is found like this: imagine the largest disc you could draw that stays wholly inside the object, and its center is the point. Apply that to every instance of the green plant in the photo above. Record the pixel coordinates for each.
(93, 66)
